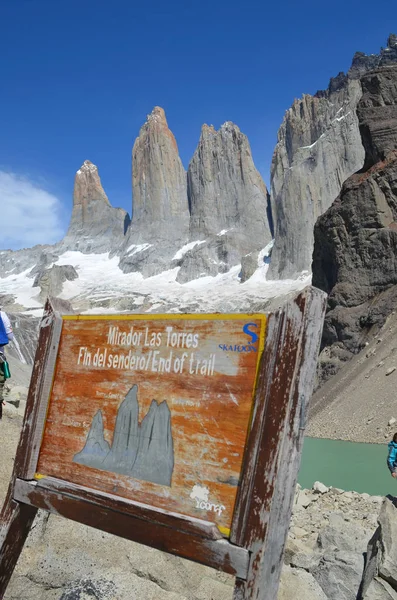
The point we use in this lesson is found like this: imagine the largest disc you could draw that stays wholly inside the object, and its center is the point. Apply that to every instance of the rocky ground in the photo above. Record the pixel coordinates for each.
(359, 403)
(324, 559)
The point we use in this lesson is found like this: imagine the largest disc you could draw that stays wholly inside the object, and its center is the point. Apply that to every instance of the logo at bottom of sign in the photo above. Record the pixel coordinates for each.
(201, 495)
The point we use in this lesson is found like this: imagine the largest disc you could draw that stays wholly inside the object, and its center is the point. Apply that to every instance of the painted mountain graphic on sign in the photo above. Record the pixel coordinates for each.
(144, 451)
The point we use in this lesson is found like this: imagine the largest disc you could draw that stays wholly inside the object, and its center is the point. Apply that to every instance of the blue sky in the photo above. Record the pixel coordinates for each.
(78, 78)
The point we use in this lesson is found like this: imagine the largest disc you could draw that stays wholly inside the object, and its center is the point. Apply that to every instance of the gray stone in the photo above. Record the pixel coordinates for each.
(320, 488)
(303, 499)
(380, 590)
(249, 264)
(304, 561)
(95, 225)
(339, 575)
(318, 147)
(299, 585)
(320, 143)
(225, 189)
(160, 204)
(387, 569)
(356, 239)
(50, 281)
(63, 560)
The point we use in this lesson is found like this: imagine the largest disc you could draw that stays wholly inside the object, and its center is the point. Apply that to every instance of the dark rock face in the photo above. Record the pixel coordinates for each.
(95, 225)
(355, 256)
(377, 113)
(322, 141)
(355, 249)
(144, 451)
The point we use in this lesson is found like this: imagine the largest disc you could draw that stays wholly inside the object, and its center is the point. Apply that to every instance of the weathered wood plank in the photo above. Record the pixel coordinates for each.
(145, 512)
(38, 394)
(253, 447)
(278, 444)
(16, 521)
(219, 554)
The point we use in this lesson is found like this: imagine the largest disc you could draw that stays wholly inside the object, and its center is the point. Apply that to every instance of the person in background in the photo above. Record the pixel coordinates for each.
(392, 456)
(6, 336)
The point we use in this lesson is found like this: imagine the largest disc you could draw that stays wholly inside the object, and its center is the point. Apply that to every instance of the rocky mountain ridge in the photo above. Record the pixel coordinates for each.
(210, 228)
(319, 146)
(355, 248)
(195, 224)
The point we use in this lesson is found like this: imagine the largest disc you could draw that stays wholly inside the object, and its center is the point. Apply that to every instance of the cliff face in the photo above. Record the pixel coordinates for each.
(355, 250)
(319, 146)
(94, 221)
(225, 189)
(158, 181)
(205, 222)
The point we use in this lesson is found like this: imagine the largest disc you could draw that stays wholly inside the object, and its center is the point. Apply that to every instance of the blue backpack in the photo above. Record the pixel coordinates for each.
(3, 333)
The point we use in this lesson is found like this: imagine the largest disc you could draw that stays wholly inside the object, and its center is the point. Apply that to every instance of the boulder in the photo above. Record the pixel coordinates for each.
(380, 590)
(299, 585)
(50, 281)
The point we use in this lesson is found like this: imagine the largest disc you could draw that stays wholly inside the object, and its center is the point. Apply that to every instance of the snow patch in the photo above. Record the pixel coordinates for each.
(20, 286)
(180, 253)
(101, 284)
(265, 253)
(135, 248)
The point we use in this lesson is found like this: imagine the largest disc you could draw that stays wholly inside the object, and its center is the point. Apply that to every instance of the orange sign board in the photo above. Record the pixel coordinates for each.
(154, 408)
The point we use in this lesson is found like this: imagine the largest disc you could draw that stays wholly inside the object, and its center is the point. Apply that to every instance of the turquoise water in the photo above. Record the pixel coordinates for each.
(347, 465)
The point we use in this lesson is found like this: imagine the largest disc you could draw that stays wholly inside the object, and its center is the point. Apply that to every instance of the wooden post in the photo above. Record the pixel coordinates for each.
(285, 384)
(16, 519)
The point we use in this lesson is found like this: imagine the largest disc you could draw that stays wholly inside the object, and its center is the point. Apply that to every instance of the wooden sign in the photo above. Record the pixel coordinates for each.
(155, 409)
(182, 432)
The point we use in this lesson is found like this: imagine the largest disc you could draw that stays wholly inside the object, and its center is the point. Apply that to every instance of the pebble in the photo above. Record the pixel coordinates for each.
(377, 499)
(320, 488)
(391, 421)
(336, 490)
(390, 371)
(348, 495)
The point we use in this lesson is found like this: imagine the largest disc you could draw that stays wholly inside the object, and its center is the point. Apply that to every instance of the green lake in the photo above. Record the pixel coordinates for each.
(346, 465)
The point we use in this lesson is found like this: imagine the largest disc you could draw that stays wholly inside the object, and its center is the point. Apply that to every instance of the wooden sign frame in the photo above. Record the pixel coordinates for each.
(253, 553)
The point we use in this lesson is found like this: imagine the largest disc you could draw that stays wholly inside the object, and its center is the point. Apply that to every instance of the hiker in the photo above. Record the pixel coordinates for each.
(5, 336)
(392, 456)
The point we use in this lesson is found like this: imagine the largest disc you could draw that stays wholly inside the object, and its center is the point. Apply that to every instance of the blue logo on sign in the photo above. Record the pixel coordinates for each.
(254, 336)
(243, 347)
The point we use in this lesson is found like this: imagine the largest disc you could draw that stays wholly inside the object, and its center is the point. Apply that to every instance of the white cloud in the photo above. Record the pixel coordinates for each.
(29, 214)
